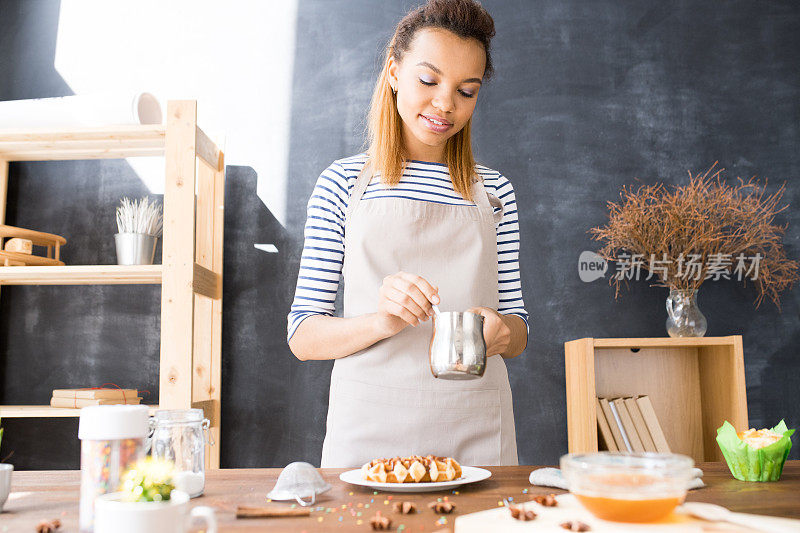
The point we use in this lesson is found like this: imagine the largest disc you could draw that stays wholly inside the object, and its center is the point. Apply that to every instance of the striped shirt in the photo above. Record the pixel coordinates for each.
(323, 249)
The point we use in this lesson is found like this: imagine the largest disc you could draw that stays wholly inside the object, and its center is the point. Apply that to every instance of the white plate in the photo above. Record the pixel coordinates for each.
(469, 474)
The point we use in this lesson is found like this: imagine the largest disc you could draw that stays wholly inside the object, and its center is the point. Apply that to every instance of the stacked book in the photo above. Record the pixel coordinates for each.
(629, 424)
(77, 398)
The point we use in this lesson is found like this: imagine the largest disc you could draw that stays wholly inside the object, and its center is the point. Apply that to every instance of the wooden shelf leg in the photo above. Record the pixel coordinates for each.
(3, 196)
(178, 251)
(218, 223)
(207, 315)
(581, 398)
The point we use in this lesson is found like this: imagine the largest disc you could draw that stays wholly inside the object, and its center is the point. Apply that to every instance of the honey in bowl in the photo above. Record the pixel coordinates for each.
(628, 487)
(628, 507)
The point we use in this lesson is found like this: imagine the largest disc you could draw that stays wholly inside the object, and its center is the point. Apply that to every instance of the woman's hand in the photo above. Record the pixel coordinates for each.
(496, 332)
(404, 299)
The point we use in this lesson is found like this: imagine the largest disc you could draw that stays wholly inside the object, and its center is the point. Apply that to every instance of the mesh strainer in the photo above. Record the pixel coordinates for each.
(297, 481)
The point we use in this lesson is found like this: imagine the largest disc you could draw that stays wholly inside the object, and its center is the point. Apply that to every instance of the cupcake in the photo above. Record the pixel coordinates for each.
(755, 455)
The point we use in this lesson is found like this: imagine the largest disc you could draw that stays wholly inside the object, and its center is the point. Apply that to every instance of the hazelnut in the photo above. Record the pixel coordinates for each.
(574, 525)
(547, 501)
(521, 514)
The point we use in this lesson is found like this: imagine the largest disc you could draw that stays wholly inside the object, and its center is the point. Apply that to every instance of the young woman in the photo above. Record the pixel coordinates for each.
(409, 224)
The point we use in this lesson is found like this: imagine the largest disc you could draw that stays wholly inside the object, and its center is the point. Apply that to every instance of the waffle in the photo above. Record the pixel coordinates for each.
(412, 469)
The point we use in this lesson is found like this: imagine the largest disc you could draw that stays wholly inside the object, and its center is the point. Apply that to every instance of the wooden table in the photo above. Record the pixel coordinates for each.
(54, 494)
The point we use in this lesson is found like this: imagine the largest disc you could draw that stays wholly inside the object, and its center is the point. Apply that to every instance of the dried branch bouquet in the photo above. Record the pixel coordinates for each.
(707, 220)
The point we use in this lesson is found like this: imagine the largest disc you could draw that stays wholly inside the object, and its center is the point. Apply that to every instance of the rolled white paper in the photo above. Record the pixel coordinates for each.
(81, 110)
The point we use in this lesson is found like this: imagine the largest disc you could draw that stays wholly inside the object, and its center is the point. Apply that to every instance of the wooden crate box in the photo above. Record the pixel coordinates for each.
(694, 385)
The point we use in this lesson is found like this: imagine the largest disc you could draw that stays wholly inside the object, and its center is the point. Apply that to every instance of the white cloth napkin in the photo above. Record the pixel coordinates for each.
(552, 477)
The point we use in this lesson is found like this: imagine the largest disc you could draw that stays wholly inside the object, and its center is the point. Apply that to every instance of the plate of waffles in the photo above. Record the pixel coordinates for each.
(414, 474)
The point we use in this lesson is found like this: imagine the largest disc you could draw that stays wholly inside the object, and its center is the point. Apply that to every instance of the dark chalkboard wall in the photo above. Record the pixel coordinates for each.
(588, 96)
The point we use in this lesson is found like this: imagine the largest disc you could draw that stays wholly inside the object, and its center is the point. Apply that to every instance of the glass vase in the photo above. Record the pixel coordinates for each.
(684, 317)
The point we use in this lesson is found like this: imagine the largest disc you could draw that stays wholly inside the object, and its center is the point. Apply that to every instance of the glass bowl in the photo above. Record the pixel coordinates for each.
(628, 487)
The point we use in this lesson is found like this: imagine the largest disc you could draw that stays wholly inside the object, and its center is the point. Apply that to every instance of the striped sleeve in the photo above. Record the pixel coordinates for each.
(323, 248)
(510, 285)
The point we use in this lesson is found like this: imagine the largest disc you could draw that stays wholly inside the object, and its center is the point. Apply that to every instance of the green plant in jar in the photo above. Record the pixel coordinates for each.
(148, 480)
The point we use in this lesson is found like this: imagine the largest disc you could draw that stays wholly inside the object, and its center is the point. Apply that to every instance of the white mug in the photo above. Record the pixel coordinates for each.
(5, 482)
(114, 516)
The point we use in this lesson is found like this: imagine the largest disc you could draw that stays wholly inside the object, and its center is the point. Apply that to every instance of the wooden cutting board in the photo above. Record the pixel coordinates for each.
(499, 520)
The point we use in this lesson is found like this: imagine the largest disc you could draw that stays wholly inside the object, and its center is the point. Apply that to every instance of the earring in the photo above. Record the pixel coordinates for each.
(394, 91)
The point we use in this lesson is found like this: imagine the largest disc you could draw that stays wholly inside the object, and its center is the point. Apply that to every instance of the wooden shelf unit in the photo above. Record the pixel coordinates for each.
(191, 271)
(44, 411)
(694, 384)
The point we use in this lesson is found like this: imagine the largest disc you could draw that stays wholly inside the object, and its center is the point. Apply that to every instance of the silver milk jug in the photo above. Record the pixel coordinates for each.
(457, 349)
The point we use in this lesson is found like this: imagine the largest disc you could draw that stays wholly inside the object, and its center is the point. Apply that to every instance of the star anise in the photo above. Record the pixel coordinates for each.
(574, 525)
(380, 522)
(521, 514)
(404, 507)
(442, 507)
(48, 526)
(547, 501)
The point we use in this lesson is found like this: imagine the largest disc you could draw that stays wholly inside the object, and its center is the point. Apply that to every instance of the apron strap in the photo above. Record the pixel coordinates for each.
(487, 202)
(362, 181)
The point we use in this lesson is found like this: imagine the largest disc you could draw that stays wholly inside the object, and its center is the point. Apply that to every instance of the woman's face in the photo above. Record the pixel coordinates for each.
(437, 85)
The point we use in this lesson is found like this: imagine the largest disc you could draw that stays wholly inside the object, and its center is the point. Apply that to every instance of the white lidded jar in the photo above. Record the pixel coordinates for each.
(179, 435)
(112, 439)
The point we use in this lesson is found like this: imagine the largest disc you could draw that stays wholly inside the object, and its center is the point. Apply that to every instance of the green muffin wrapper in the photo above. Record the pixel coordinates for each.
(749, 464)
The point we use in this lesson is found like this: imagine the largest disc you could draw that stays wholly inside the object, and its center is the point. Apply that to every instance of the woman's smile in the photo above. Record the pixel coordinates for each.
(436, 123)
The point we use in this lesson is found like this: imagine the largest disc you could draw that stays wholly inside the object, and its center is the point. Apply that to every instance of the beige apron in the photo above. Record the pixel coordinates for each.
(384, 401)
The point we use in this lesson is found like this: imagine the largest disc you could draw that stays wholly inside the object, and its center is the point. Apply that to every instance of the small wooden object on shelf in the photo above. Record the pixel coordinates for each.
(77, 398)
(23, 246)
(18, 251)
(77, 403)
(693, 385)
(95, 393)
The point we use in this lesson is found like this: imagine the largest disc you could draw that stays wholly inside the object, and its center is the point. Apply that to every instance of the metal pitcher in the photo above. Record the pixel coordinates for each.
(458, 349)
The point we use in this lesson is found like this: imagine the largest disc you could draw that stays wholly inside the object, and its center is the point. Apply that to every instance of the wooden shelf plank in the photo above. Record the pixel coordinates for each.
(88, 153)
(81, 275)
(112, 131)
(110, 142)
(82, 143)
(43, 411)
(665, 342)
